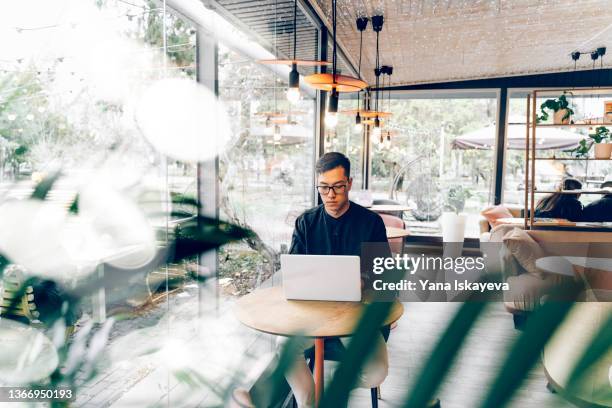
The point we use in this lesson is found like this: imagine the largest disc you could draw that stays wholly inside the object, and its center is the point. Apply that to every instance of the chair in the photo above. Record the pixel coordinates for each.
(23, 309)
(334, 351)
(396, 244)
(40, 304)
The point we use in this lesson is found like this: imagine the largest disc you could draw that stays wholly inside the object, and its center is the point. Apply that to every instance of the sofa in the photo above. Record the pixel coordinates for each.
(527, 288)
(487, 224)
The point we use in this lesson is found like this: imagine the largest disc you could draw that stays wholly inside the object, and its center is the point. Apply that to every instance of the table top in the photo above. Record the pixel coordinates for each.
(388, 207)
(393, 232)
(509, 220)
(268, 311)
(564, 265)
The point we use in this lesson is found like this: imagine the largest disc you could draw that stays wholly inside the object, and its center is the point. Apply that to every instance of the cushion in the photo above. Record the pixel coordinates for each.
(492, 214)
(524, 249)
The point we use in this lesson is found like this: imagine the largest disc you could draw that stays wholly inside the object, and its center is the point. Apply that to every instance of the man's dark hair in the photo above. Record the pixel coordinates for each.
(331, 160)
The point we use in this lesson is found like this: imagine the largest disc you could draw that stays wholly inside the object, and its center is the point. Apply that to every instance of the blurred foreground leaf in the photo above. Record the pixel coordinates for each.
(201, 234)
(599, 346)
(44, 186)
(525, 352)
(443, 354)
(357, 353)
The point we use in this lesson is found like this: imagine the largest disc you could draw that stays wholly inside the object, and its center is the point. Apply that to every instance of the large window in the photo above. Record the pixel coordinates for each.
(419, 159)
(266, 178)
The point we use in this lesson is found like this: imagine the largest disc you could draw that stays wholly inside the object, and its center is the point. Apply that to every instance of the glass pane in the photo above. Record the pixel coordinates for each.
(418, 159)
(346, 139)
(266, 178)
(75, 81)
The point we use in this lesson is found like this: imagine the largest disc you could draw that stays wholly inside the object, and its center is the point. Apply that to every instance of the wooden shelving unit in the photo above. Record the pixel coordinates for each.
(531, 158)
(570, 158)
(575, 125)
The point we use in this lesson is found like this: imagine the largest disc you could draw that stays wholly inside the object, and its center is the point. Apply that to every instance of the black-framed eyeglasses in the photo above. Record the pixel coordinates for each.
(338, 189)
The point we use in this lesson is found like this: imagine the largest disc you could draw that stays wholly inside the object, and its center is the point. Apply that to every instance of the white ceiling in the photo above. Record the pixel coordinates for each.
(449, 40)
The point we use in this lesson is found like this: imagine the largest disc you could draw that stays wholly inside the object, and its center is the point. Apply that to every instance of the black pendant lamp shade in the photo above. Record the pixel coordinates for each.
(293, 92)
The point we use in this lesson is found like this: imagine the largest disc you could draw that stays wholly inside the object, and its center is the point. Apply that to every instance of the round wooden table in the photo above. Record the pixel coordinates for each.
(268, 311)
(393, 232)
(388, 208)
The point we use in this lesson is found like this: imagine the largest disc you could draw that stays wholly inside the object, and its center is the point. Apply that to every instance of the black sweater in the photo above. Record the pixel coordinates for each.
(318, 233)
(600, 210)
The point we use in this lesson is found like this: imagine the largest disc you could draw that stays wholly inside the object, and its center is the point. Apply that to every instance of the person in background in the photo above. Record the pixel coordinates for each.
(599, 210)
(558, 205)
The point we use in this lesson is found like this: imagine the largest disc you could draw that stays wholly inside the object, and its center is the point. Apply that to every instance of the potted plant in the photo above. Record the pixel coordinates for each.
(560, 107)
(453, 220)
(603, 149)
(599, 139)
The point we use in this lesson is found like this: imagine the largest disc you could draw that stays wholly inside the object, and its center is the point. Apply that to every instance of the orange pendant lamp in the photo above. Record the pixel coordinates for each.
(334, 82)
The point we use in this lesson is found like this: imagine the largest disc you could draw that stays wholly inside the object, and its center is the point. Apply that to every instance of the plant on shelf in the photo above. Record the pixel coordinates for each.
(560, 107)
(599, 139)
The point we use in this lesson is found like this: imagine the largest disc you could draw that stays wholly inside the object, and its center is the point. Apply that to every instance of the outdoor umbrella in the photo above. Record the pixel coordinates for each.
(547, 138)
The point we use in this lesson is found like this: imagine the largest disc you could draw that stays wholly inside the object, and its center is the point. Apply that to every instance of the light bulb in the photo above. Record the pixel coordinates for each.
(331, 119)
(358, 126)
(293, 95)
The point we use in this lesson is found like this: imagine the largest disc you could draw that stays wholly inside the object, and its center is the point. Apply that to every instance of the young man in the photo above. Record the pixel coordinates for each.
(599, 210)
(337, 227)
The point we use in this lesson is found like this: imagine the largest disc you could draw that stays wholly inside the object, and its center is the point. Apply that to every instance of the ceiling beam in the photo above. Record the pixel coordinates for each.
(583, 78)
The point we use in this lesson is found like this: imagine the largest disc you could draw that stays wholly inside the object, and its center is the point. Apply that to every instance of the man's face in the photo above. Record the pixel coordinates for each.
(336, 198)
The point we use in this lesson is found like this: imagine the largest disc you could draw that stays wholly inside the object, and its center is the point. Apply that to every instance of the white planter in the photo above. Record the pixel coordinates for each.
(603, 150)
(453, 227)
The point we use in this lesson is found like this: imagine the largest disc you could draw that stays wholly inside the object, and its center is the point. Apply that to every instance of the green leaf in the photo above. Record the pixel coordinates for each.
(74, 206)
(599, 346)
(273, 384)
(42, 189)
(201, 234)
(525, 352)
(183, 199)
(357, 353)
(443, 354)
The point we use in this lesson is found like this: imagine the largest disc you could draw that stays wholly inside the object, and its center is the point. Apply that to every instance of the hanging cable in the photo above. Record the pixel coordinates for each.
(377, 70)
(294, 29)
(359, 67)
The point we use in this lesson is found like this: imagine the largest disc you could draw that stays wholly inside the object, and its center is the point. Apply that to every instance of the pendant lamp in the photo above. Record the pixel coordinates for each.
(334, 82)
(293, 92)
(377, 25)
(362, 24)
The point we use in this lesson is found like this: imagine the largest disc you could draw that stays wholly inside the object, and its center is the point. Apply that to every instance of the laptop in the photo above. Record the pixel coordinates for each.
(321, 277)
